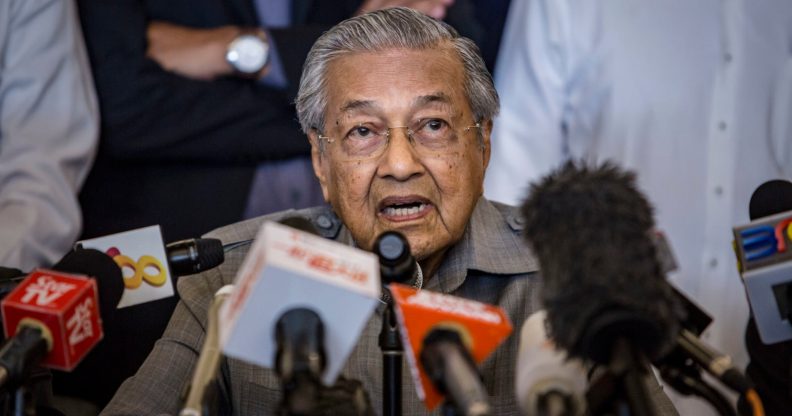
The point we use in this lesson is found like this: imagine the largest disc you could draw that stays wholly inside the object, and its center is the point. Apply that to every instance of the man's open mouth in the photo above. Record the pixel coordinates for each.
(404, 207)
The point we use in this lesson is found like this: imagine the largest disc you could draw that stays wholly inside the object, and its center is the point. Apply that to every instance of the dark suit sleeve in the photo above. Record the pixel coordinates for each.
(152, 114)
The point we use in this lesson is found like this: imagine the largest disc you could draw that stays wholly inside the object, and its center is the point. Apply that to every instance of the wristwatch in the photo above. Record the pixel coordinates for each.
(248, 53)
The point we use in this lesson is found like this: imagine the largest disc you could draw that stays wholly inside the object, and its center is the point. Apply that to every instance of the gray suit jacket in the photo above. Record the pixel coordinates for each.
(490, 264)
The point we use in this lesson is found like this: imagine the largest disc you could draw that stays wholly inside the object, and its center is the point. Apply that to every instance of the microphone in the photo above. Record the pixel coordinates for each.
(769, 367)
(300, 359)
(770, 198)
(606, 297)
(53, 316)
(98, 265)
(397, 265)
(547, 382)
(590, 229)
(763, 257)
(445, 338)
(89, 262)
(194, 255)
(287, 269)
(689, 349)
(208, 360)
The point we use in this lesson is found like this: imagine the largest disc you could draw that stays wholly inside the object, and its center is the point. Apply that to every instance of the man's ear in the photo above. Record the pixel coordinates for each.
(486, 131)
(319, 161)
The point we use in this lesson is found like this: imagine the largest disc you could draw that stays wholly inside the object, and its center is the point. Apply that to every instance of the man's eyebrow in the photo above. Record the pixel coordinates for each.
(438, 97)
(358, 105)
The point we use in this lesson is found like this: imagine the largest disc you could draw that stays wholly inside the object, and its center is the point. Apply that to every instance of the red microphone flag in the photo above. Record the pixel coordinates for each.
(66, 309)
(482, 327)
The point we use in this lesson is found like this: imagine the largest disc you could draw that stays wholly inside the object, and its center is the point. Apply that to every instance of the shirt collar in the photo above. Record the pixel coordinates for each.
(491, 244)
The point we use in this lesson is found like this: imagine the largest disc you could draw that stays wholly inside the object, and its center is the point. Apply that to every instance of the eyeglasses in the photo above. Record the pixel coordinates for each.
(429, 137)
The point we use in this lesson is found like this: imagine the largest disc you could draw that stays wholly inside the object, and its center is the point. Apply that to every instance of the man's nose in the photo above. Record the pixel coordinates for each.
(400, 160)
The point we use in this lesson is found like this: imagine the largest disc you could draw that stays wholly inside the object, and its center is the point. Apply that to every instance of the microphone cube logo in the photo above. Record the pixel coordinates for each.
(482, 328)
(764, 258)
(64, 306)
(764, 241)
(140, 254)
(45, 290)
(286, 268)
(80, 324)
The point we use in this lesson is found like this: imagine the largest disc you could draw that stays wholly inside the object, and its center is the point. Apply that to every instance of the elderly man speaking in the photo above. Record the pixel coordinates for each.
(398, 109)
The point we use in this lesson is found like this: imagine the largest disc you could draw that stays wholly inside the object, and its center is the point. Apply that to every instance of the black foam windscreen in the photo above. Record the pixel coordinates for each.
(770, 198)
(103, 268)
(590, 228)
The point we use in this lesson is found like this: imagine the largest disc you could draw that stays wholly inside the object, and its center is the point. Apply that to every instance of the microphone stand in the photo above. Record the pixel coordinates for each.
(622, 385)
(684, 376)
(396, 265)
(687, 380)
(392, 352)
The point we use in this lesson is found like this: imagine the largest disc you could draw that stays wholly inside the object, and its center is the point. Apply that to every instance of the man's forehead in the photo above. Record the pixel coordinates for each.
(437, 99)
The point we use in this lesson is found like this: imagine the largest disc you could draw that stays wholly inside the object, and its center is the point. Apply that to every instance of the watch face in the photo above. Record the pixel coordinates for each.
(248, 54)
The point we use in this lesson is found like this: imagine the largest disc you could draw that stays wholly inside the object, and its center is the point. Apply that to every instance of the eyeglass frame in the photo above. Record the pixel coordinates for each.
(387, 133)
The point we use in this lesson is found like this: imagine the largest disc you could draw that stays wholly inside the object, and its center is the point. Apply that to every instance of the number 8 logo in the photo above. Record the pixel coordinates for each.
(139, 273)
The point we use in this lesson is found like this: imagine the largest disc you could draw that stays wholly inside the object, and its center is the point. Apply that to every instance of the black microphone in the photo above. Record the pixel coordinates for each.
(764, 259)
(300, 359)
(448, 363)
(770, 198)
(299, 336)
(194, 255)
(590, 228)
(677, 367)
(100, 266)
(770, 366)
(397, 265)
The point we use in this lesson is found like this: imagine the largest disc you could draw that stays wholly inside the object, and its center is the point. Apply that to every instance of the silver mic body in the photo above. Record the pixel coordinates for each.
(548, 382)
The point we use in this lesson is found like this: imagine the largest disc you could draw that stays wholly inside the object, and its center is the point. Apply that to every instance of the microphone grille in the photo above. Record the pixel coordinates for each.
(397, 264)
(210, 253)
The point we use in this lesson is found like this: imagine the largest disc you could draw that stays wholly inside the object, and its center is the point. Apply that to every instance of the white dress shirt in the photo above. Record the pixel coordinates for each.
(49, 127)
(695, 96)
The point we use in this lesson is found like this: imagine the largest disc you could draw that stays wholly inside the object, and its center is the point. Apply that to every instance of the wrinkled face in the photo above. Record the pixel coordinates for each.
(426, 186)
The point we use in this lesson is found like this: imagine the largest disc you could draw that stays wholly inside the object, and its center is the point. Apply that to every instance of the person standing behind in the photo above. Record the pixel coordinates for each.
(696, 97)
(48, 130)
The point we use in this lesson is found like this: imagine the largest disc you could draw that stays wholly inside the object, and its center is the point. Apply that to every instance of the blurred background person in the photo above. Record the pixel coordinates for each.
(696, 97)
(48, 130)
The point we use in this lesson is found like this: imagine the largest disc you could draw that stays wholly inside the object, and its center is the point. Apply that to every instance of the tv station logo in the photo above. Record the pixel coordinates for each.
(64, 307)
(764, 241)
(140, 254)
